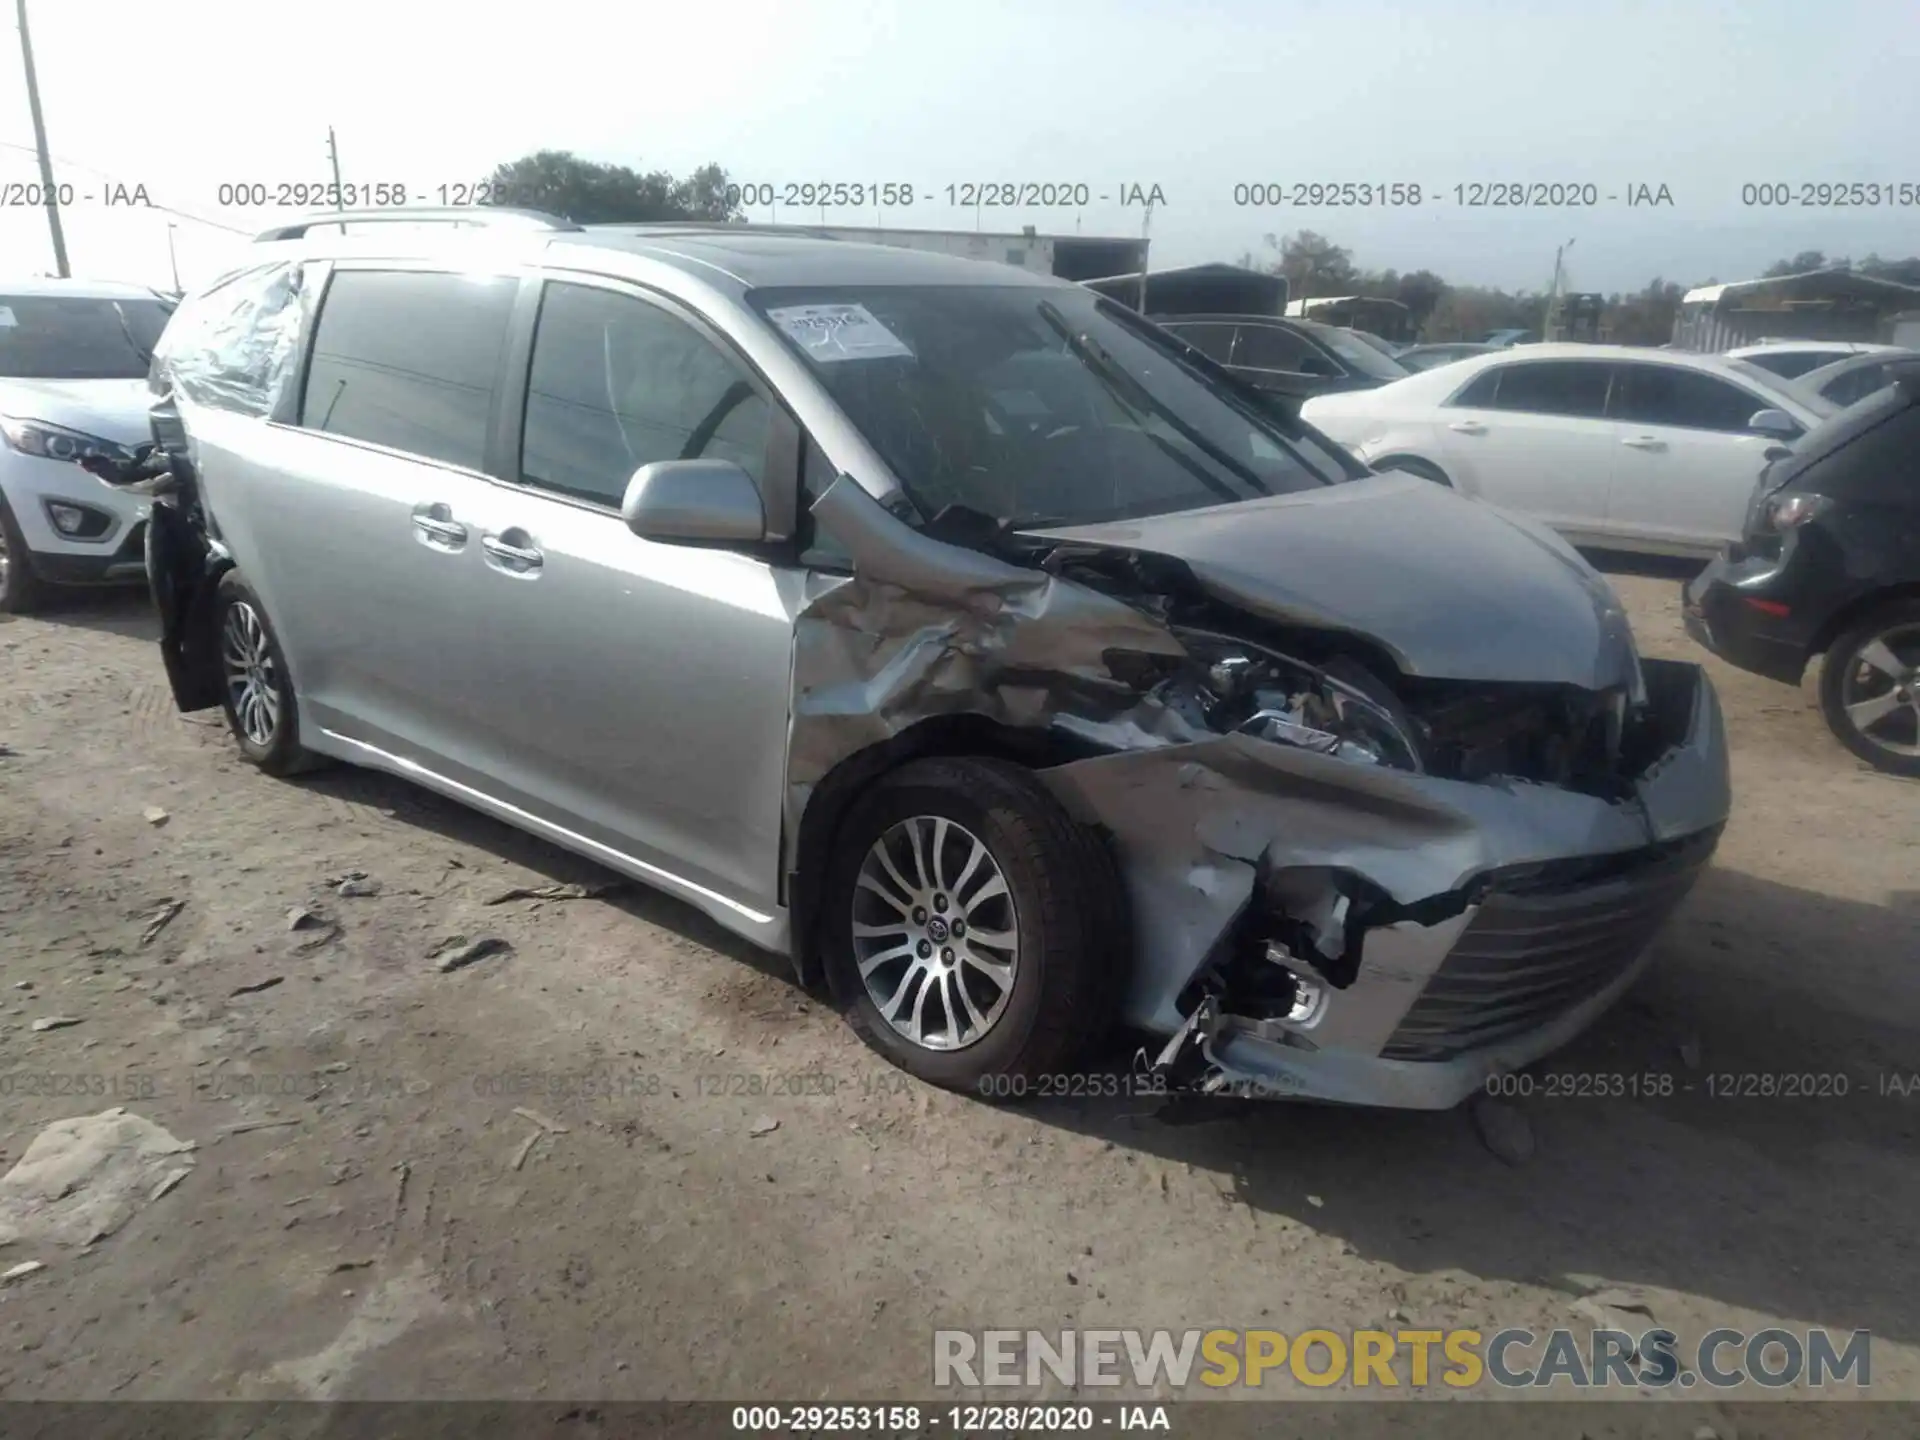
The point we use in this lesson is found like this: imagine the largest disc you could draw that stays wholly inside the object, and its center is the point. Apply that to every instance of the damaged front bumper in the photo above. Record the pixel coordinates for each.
(1315, 928)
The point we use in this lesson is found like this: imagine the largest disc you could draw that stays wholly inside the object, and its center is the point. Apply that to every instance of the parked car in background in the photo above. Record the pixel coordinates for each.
(929, 622)
(1416, 358)
(1504, 338)
(73, 370)
(1379, 342)
(1289, 357)
(1612, 446)
(1829, 564)
(1852, 379)
(1793, 358)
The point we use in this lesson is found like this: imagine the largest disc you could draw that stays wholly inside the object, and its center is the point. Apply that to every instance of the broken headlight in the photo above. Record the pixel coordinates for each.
(1339, 708)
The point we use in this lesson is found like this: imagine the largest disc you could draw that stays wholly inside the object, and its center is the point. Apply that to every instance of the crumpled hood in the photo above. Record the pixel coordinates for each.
(1453, 588)
(110, 409)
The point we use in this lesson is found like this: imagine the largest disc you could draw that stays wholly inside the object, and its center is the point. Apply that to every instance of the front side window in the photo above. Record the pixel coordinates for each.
(1576, 389)
(618, 383)
(78, 337)
(1685, 399)
(1033, 404)
(409, 360)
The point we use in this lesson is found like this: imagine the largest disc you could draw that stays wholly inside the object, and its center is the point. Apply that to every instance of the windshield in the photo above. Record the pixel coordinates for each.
(74, 337)
(1034, 404)
(1356, 352)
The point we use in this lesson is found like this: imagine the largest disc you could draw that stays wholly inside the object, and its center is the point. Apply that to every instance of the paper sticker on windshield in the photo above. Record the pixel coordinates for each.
(839, 332)
(6, 317)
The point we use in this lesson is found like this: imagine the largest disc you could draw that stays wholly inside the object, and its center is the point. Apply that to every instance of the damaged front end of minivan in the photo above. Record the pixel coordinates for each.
(1397, 804)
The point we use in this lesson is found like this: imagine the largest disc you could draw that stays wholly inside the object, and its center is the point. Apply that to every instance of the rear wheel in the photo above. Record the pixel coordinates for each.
(975, 934)
(255, 689)
(21, 591)
(1870, 688)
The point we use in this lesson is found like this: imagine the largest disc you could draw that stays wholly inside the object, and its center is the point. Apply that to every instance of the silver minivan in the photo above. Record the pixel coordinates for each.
(953, 630)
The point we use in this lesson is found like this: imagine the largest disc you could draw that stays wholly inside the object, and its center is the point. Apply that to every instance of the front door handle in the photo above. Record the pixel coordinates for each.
(438, 528)
(518, 555)
(1644, 442)
(1468, 427)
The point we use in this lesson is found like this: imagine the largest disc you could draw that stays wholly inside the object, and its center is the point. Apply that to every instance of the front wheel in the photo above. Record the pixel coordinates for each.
(21, 591)
(975, 934)
(1870, 688)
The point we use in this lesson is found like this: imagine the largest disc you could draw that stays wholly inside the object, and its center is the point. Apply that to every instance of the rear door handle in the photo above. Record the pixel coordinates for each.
(438, 528)
(515, 558)
(1468, 427)
(1644, 442)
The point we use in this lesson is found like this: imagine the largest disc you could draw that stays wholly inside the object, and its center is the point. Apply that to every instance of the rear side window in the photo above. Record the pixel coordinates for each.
(1574, 388)
(1670, 395)
(1791, 364)
(618, 383)
(409, 360)
(1856, 384)
(233, 345)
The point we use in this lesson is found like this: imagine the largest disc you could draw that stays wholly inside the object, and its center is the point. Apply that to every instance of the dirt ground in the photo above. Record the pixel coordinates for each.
(389, 1234)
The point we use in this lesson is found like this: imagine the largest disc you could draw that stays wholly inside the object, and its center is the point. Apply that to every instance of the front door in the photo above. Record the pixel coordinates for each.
(1688, 462)
(638, 691)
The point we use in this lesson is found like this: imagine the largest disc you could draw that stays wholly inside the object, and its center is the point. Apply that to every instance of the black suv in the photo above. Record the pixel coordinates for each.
(1830, 564)
(1287, 357)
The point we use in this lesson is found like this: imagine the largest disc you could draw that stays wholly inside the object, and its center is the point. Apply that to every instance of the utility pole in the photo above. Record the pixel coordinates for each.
(333, 155)
(1146, 225)
(48, 193)
(1553, 293)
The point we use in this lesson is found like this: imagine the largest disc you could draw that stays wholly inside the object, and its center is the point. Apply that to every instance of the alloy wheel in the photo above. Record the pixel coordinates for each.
(935, 932)
(1880, 690)
(247, 662)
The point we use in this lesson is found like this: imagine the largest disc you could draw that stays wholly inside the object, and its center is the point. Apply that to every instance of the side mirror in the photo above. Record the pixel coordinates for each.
(694, 502)
(1774, 422)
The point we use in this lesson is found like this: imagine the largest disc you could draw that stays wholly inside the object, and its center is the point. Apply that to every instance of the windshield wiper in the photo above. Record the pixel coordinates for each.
(1122, 385)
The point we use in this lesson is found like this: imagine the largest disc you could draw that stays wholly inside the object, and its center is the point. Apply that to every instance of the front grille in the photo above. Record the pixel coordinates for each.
(1544, 940)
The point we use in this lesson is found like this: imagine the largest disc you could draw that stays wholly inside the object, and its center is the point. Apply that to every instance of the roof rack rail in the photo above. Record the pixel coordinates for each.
(486, 216)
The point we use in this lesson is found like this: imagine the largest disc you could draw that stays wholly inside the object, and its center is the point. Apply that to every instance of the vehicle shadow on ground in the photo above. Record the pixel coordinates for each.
(1760, 1101)
(1655, 567)
(118, 611)
(543, 862)
(1665, 1148)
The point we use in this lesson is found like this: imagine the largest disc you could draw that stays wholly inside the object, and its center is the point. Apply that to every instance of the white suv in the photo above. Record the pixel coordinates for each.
(73, 368)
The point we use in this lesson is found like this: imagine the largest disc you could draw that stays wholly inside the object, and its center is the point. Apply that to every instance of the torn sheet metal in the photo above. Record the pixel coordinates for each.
(1211, 827)
(928, 629)
(236, 345)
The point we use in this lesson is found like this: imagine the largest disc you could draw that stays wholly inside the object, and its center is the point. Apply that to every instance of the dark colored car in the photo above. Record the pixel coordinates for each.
(1288, 357)
(1830, 564)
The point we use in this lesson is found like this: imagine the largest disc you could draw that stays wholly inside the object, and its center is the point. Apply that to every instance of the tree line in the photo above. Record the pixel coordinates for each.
(1315, 265)
(591, 192)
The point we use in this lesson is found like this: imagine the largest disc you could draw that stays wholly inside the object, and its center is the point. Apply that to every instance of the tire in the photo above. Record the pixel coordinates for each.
(1892, 743)
(21, 591)
(256, 689)
(1414, 465)
(1064, 909)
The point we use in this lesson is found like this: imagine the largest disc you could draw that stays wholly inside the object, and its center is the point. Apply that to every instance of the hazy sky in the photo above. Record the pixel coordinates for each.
(1192, 95)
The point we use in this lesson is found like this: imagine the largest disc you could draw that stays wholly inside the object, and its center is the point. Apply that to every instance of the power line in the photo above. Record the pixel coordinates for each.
(109, 175)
